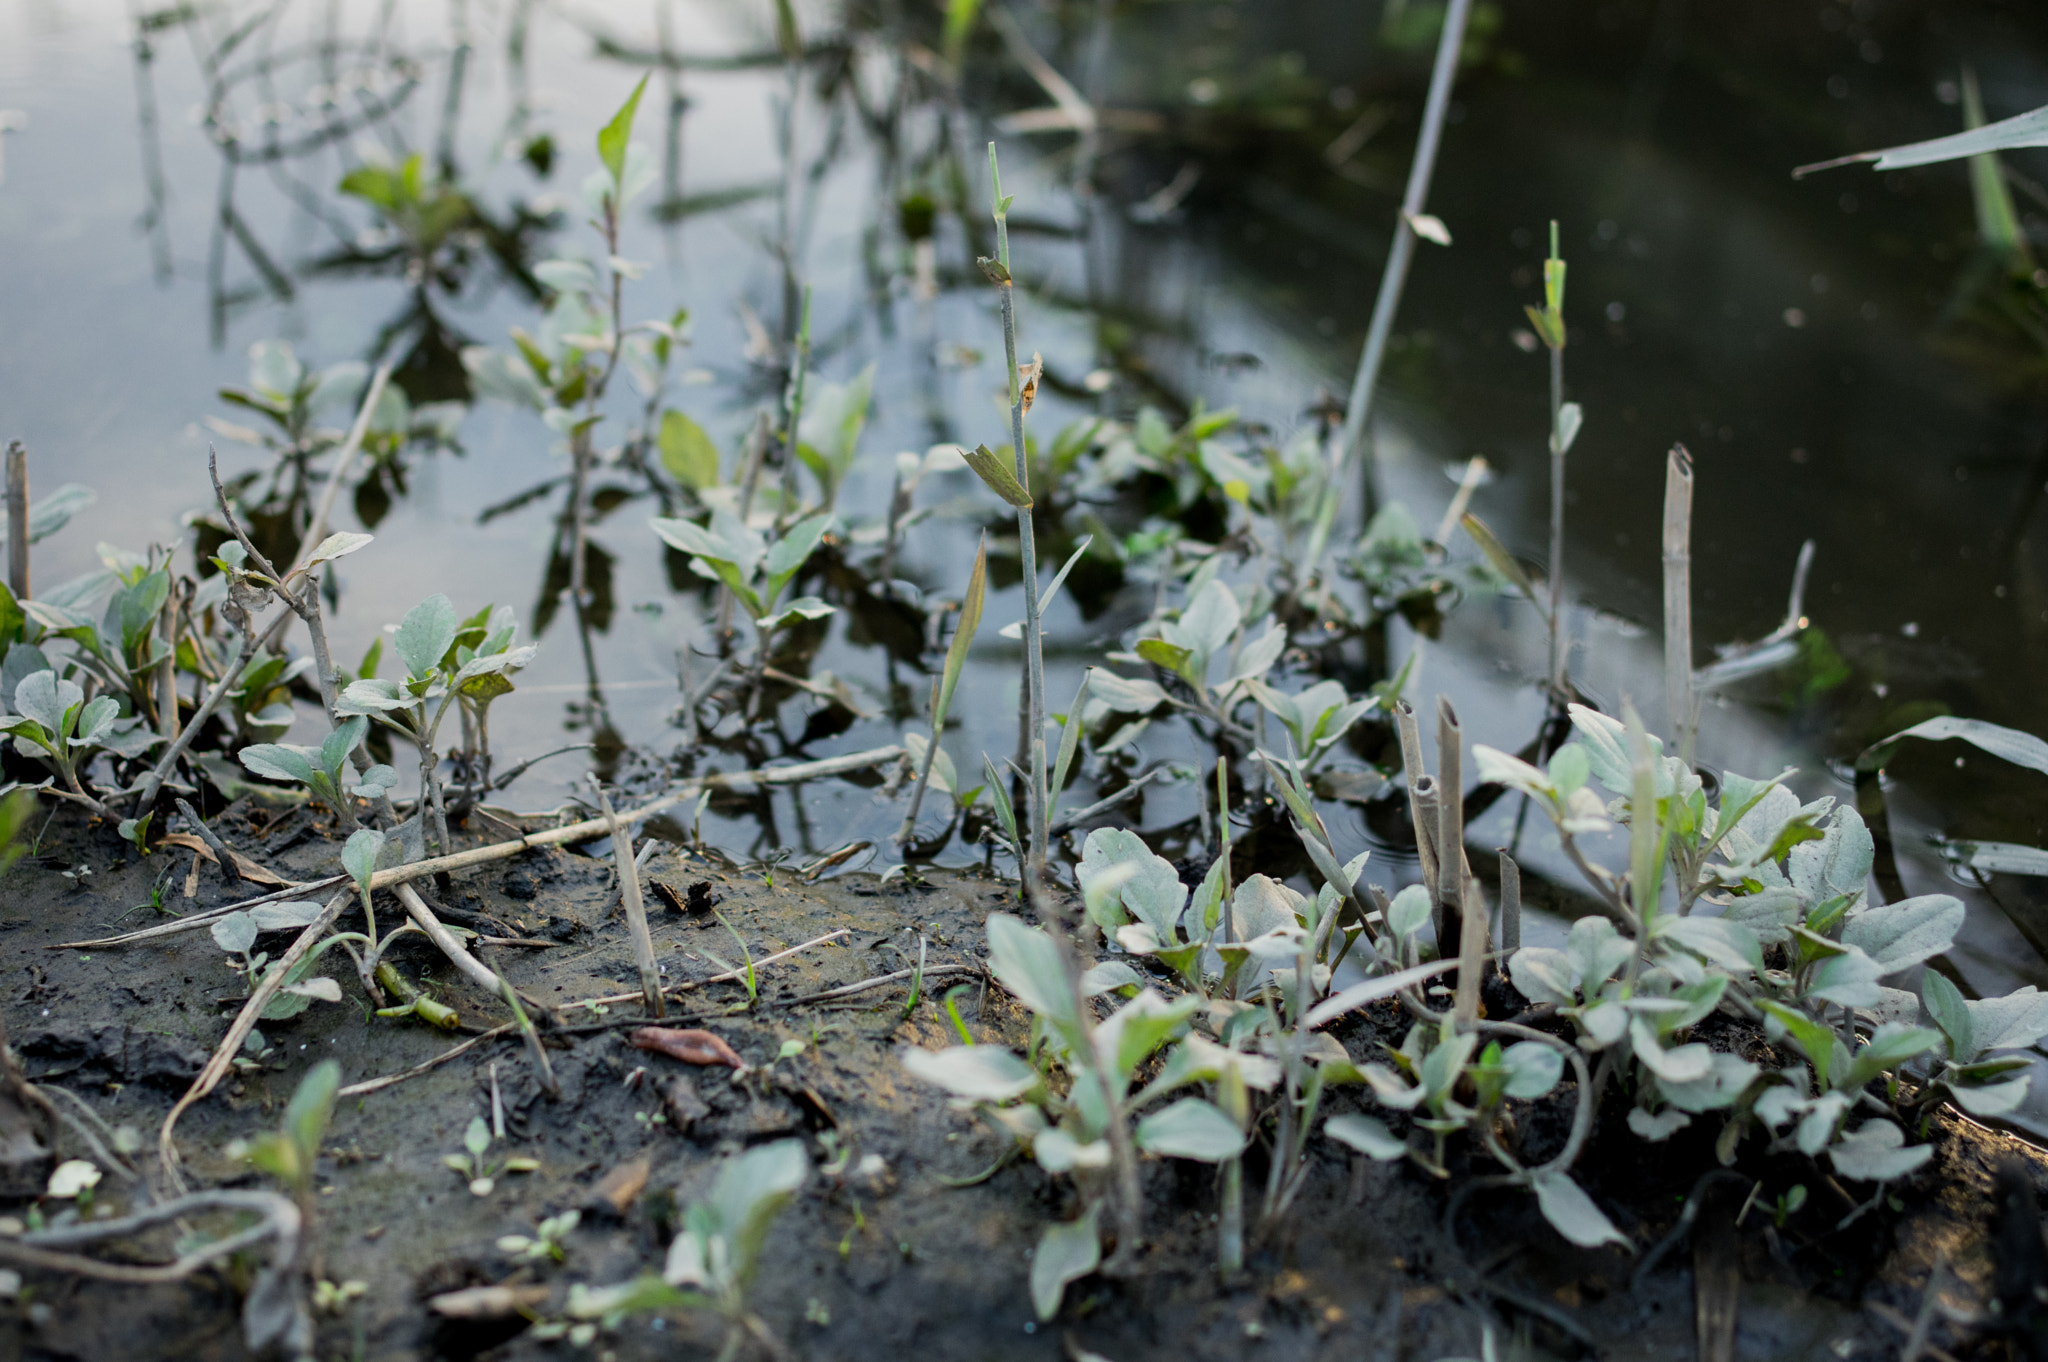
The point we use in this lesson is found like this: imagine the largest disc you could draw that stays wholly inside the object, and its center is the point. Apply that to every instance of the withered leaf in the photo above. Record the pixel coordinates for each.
(690, 1046)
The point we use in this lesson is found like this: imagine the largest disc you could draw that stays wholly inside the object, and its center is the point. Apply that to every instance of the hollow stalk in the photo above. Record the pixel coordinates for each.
(1034, 649)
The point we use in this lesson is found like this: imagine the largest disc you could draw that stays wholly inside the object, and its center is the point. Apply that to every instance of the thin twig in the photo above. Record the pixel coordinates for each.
(221, 855)
(1678, 699)
(636, 908)
(370, 1085)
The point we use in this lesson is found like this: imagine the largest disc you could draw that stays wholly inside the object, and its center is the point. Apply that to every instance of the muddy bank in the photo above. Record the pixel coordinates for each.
(880, 1256)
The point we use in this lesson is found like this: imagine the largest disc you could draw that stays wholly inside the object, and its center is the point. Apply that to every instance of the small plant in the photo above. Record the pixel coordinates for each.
(712, 1260)
(290, 1153)
(322, 769)
(482, 1175)
(548, 1241)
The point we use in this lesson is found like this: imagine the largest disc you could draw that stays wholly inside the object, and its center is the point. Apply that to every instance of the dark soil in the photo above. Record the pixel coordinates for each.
(890, 1264)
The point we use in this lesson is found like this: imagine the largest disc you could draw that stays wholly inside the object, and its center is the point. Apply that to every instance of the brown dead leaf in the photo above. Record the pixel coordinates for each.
(621, 1187)
(1027, 378)
(251, 871)
(690, 1046)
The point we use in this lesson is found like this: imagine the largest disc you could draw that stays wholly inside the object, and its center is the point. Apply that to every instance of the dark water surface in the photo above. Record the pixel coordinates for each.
(1841, 362)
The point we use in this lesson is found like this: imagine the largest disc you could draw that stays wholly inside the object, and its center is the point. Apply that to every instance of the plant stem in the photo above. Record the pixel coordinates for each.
(795, 414)
(1557, 453)
(1678, 696)
(1435, 108)
(1034, 644)
(17, 521)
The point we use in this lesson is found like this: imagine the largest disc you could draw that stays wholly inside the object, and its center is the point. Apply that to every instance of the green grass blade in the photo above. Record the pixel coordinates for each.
(963, 636)
(1070, 742)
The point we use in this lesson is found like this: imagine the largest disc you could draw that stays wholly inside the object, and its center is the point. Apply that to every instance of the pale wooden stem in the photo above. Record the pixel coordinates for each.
(636, 909)
(1678, 695)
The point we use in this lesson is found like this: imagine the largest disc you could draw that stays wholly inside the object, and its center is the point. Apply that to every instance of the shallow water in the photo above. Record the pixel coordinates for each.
(1817, 344)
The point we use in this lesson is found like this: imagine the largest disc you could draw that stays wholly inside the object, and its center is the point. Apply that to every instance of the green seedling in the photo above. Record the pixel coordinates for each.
(548, 1241)
(472, 1167)
(746, 973)
(712, 1260)
(290, 1153)
(323, 769)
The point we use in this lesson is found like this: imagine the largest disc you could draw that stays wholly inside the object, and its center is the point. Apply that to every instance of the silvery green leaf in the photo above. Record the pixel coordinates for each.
(1945, 1003)
(1597, 951)
(1605, 1024)
(1067, 1251)
(802, 608)
(496, 663)
(278, 917)
(1769, 915)
(235, 933)
(1533, 1069)
(274, 370)
(341, 741)
(943, 773)
(1838, 864)
(1059, 1152)
(1408, 912)
(1541, 973)
(796, 546)
(506, 377)
(278, 762)
(566, 276)
(96, 719)
(1659, 1127)
(1025, 961)
(1191, 1129)
(1817, 1126)
(1123, 695)
(1900, 935)
(1367, 1135)
(319, 989)
(375, 781)
(1988, 1101)
(1572, 1213)
(1684, 1064)
(1569, 418)
(340, 544)
(748, 1195)
(1849, 979)
(982, 1073)
(359, 855)
(1777, 1105)
(2018, 1019)
(1256, 658)
(1134, 1031)
(2008, 134)
(1110, 975)
(377, 695)
(1876, 1152)
(1209, 621)
(1717, 940)
(1263, 905)
(1151, 890)
(426, 634)
(1606, 744)
(1728, 1077)
(42, 697)
(1502, 768)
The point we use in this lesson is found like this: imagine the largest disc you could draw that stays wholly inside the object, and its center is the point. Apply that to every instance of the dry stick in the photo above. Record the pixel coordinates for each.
(1442, 75)
(1068, 822)
(221, 854)
(1452, 875)
(1678, 698)
(474, 969)
(636, 909)
(167, 669)
(1475, 473)
(280, 1221)
(727, 977)
(930, 973)
(238, 1031)
(370, 1085)
(1421, 808)
(1510, 905)
(17, 520)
